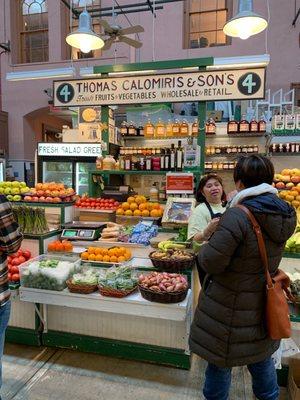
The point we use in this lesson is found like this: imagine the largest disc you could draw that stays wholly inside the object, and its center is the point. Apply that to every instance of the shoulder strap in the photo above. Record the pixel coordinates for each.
(209, 209)
(261, 243)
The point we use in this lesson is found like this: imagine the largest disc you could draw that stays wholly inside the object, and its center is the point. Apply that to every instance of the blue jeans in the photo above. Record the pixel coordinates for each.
(4, 318)
(264, 381)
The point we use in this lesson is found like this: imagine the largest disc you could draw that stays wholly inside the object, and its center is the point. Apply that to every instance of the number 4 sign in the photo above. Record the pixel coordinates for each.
(249, 84)
(65, 93)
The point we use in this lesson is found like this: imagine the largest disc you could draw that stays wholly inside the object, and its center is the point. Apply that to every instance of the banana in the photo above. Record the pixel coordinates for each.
(174, 246)
(161, 245)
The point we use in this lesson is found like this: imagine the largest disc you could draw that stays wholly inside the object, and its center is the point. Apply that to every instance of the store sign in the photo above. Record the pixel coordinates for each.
(69, 149)
(180, 183)
(160, 88)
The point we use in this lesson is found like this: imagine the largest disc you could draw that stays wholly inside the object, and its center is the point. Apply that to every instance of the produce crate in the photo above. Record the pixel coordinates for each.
(47, 278)
(86, 215)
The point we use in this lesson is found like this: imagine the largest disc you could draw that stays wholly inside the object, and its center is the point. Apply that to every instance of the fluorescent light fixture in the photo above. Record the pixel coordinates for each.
(88, 71)
(84, 38)
(150, 71)
(40, 74)
(246, 23)
(240, 62)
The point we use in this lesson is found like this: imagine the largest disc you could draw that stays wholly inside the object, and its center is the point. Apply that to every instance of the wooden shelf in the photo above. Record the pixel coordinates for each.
(115, 172)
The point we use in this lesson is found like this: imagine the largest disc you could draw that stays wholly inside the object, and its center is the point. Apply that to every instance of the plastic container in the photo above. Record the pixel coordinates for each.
(34, 275)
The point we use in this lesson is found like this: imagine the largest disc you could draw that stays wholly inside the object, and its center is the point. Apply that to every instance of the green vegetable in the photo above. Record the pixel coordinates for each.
(118, 278)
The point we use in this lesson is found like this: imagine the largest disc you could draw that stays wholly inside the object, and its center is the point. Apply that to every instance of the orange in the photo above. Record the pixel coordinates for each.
(128, 213)
(98, 251)
(113, 259)
(91, 250)
(106, 258)
(105, 252)
(92, 257)
(121, 259)
(120, 211)
(155, 206)
(138, 199)
(111, 252)
(130, 199)
(122, 250)
(127, 255)
(98, 257)
(118, 252)
(133, 206)
(85, 255)
(137, 213)
(150, 206)
(125, 206)
(145, 213)
(143, 206)
(154, 213)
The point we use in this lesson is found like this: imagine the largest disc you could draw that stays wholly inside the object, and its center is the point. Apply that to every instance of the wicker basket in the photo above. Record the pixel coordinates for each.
(110, 292)
(82, 289)
(163, 297)
(172, 265)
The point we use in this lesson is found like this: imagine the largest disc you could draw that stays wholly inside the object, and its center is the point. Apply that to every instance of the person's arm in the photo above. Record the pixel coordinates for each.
(10, 235)
(216, 255)
(204, 235)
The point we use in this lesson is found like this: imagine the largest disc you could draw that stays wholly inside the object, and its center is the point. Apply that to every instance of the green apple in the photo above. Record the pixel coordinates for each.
(15, 190)
(7, 190)
(2, 184)
(15, 184)
(10, 197)
(17, 197)
(24, 190)
(1, 190)
(22, 184)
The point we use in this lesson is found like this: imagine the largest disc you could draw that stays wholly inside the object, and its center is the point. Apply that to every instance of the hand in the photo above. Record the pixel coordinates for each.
(211, 227)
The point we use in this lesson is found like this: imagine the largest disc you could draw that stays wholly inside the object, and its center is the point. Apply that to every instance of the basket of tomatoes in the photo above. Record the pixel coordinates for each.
(59, 246)
(99, 204)
(14, 262)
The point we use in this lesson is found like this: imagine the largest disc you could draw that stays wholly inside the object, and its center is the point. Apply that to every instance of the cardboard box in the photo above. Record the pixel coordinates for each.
(294, 378)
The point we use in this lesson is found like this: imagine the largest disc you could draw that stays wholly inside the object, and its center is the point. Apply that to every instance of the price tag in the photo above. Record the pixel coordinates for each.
(147, 222)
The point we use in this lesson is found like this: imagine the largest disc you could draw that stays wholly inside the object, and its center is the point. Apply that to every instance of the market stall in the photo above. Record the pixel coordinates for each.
(141, 194)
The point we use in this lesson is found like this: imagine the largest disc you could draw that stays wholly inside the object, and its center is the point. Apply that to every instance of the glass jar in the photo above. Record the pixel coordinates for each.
(108, 163)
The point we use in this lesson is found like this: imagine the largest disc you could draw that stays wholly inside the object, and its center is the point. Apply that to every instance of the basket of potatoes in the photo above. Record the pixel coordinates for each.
(163, 287)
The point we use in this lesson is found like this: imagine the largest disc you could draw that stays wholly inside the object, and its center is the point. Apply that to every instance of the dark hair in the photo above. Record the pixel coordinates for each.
(203, 181)
(253, 170)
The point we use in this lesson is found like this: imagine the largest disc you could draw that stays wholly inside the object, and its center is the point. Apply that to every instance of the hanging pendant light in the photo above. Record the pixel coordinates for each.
(84, 38)
(246, 23)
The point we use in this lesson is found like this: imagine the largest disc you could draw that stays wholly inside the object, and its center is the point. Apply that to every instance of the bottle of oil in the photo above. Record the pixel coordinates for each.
(195, 128)
(253, 126)
(123, 128)
(132, 131)
(210, 127)
(149, 129)
(160, 129)
(169, 130)
(262, 126)
(184, 128)
(176, 128)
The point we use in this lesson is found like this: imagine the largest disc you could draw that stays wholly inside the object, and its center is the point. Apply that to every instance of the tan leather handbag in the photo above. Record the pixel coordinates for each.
(277, 309)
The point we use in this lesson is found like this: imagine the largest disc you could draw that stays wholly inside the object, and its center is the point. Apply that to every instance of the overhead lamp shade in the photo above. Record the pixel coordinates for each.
(84, 38)
(246, 23)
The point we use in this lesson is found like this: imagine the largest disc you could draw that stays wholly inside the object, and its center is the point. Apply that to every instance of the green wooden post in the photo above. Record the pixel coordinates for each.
(201, 136)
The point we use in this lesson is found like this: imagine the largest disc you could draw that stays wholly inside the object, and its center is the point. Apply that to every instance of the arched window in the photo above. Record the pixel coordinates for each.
(34, 31)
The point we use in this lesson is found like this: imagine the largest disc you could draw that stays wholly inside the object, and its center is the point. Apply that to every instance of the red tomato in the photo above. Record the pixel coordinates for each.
(16, 261)
(15, 277)
(93, 204)
(116, 203)
(27, 254)
(9, 276)
(14, 270)
(111, 200)
(22, 259)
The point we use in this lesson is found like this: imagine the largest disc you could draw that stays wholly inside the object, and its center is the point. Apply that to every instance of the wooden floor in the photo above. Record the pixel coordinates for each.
(46, 374)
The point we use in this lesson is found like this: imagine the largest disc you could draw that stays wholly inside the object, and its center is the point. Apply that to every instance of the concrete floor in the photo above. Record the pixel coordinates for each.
(31, 373)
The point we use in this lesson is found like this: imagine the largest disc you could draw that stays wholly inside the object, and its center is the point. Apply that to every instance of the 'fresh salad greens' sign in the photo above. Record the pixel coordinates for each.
(160, 88)
(69, 149)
